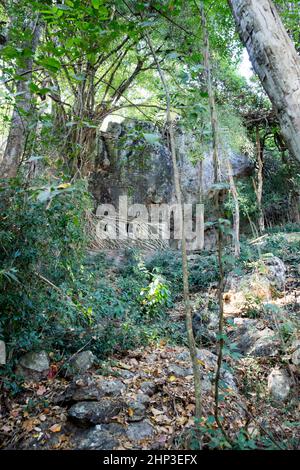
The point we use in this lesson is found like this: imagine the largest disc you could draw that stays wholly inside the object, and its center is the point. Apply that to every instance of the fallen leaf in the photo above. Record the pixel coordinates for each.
(41, 390)
(55, 428)
(6, 428)
(53, 371)
(201, 363)
(172, 378)
(29, 424)
(130, 412)
(156, 412)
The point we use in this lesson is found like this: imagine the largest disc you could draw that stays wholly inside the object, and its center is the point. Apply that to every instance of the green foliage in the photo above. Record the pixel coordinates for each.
(156, 296)
(55, 297)
(202, 273)
(41, 247)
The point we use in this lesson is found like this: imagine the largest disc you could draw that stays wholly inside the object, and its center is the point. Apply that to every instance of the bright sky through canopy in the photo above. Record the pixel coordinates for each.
(245, 68)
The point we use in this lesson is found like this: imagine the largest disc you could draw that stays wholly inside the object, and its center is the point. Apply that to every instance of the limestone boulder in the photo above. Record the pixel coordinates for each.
(253, 338)
(95, 412)
(279, 384)
(34, 365)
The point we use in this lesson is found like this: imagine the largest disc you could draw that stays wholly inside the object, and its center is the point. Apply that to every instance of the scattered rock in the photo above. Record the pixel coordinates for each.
(205, 326)
(34, 365)
(2, 353)
(279, 384)
(208, 358)
(125, 374)
(239, 290)
(80, 363)
(275, 271)
(140, 431)
(151, 358)
(143, 398)
(206, 384)
(183, 356)
(115, 429)
(252, 338)
(149, 388)
(95, 439)
(94, 412)
(194, 258)
(97, 389)
(136, 411)
(208, 363)
(296, 352)
(179, 371)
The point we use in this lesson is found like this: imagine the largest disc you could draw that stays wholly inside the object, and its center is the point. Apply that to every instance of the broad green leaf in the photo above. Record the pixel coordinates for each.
(50, 63)
(96, 4)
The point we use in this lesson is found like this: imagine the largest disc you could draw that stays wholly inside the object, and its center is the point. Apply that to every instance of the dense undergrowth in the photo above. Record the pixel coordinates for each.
(57, 295)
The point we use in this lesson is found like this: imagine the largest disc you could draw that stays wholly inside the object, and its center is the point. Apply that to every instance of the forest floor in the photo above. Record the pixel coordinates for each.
(152, 389)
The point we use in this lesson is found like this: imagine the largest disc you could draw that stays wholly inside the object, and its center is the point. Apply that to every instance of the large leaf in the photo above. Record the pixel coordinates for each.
(50, 64)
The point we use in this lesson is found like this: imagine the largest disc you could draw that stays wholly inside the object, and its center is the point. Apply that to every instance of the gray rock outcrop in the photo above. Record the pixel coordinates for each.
(34, 365)
(88, 413)
(80, 363)
(279, 384)
(253, 338)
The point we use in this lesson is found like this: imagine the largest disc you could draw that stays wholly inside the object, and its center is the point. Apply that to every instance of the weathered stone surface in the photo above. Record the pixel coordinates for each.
(143, 398)
(128, 164)
(115, 429)
(179, 371)
(205, 326)
(296, 352)
(125, 374)
(97, 389)
(34, 365)
(149, 388)
(2, 353)
(279, 384)
(139, 431)
(95, 439)
(80, 363)
(208, 363)
(183, 356)
(275, 271)
(208, 358)
(254, 339)
(94, 412)
(136, 411)
(239, 290)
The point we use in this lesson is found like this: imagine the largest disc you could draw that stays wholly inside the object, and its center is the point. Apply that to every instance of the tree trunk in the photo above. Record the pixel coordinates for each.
(259, 187)
(211, 97)
(23, 108)
(186, 294)
(275, 60)
(236, 211)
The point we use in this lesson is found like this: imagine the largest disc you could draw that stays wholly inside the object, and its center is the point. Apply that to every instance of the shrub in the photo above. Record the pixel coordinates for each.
(42, 243)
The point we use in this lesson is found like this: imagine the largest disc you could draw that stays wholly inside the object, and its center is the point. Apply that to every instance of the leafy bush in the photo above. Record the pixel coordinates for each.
(42, 244)
(156, 296)
(202, 272)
